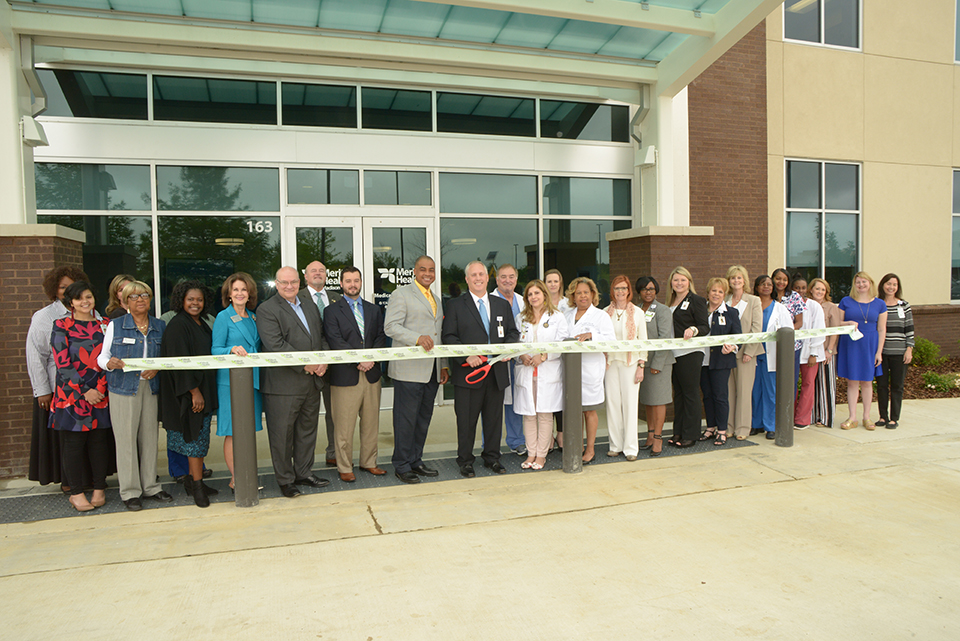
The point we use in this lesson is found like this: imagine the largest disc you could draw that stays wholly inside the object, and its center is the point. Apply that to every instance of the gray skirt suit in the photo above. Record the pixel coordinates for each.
(657, 389)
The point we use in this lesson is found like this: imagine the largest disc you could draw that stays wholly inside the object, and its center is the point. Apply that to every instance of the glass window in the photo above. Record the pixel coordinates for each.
(586, 196)
(487, 194)
(94, 94)
(493, 241)
(92, 187)
(210, 248)
(396, 188)
(832, 22)
(396, 109)
(318, 105)
(495, 115)
(120, 244)
(395, 252)
(956, 33)
(214, 100)
(332, 246)
(584, 121)
(218, 189)
(823, 242)
(323, 186)
(580, 248)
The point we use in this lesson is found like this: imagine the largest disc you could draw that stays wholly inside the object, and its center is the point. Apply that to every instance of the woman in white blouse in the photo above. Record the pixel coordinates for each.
(624, 371)
(811, 355)
(538, 391)
(588, 323)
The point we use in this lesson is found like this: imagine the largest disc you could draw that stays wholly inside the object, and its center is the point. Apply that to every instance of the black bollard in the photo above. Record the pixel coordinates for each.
(572, 414)
(786, 386)
(247, 479)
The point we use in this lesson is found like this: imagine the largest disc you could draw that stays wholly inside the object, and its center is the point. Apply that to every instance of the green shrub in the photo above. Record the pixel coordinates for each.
(927, 353)
(941, 382)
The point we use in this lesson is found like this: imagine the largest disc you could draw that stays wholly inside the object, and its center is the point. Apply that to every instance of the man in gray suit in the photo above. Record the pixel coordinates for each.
(414, 317)
(316, 292)
(291, 395)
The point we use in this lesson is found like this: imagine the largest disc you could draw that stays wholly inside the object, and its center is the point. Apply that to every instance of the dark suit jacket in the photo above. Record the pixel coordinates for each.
(342, 332)
(695, 315)
(462, 326)
(731, 325)
(280, 330)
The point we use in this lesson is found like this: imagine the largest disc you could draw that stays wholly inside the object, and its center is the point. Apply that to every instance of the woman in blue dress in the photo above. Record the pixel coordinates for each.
(859, 361)
(235, 332)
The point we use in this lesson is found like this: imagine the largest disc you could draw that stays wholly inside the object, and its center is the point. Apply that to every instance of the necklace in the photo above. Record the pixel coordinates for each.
(863, 311)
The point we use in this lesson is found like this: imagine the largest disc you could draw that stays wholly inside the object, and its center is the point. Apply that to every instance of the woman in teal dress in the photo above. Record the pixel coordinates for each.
(235, 332)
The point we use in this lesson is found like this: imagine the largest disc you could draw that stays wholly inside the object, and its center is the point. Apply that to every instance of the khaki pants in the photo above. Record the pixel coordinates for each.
(135, 430)
(362, 399)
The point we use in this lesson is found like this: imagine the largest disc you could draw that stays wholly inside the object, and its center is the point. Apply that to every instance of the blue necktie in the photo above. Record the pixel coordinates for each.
(358, 314)
(484, 319)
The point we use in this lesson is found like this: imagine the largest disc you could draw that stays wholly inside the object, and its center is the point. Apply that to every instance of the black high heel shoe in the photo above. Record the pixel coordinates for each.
(647, 446)
(656, 437)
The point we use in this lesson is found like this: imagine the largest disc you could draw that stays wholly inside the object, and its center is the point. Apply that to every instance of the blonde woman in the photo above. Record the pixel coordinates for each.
(689, 320)
(538, 391)
(740, 391)
(116, 306)
(859, 361)
(825, 384)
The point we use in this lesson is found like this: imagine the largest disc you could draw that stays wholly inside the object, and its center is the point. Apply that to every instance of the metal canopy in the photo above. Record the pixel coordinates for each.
(633, 36)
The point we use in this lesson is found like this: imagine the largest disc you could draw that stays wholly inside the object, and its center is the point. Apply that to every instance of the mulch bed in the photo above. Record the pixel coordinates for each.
(914, 387)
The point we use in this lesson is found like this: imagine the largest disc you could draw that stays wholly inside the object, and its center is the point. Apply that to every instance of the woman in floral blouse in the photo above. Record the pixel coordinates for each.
(79, 406)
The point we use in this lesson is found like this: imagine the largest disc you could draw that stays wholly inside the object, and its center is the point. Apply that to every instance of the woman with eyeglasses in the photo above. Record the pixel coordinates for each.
(624, 371)
(655, 390)
(133, 396)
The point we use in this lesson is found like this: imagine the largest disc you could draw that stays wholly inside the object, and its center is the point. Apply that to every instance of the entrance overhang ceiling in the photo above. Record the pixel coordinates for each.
(664, 43)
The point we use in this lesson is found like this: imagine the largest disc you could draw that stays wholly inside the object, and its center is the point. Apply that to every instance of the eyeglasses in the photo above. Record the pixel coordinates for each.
(136, 297)
(288, 283)
(621, 289)
(649, 289)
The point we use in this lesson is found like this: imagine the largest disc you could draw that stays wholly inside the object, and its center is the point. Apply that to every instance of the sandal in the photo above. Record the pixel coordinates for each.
(526, 465)
(708, 434)
(881, 423)
(848, 424)
(653, 452)
(721, 439)
(869, 425)
(673, 440)
(649, 443)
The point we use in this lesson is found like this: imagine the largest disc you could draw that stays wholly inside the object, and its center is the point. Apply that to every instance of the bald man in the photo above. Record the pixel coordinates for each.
(316, 292)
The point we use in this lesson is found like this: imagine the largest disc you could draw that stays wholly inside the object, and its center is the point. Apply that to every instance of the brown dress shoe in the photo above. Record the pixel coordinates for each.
(348, 477)
(332, 462)
(376, 471)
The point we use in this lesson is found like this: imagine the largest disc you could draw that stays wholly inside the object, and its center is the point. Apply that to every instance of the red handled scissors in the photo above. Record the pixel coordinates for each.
(481, 372)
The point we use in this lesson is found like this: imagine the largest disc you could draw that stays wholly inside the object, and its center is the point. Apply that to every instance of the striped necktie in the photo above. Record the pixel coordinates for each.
(320, 305)
(358, 314)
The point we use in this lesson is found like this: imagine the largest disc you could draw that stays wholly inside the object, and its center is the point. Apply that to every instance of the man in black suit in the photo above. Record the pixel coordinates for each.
(291, 395)
(470, 319)
(353, 323)
(316, 292)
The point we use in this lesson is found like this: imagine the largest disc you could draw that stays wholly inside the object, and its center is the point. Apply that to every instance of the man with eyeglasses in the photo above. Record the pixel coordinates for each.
(291, 394)
(513, 422)
(316, 292)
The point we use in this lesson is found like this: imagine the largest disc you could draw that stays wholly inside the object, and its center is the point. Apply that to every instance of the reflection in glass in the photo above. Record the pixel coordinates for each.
(121, 244)
(396, 109)
(801, 20)
(395, 252)
(955, 261)
(94, 94)
(584, 121)
(956, 192)
(183, 98)
(586, 196)
(396, 188)
(218, 189)
(487, 194)
(318, 105)
(580, 248)
(493, 241)
(803, 184)
(92, 187)
(841, 188)
(803, 244)
(494, 115)
(332, 246)
(841, 251)
(323, 186)
(841, 23)
(210, 248)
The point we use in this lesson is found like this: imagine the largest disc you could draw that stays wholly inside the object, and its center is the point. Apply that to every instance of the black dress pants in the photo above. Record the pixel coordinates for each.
(686, 396)
(80, 449)
(890, 386)
(412, 413)
(483, 402)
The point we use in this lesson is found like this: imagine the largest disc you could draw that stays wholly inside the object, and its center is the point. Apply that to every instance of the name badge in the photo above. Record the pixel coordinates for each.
(236, 318)
(685, 304)
(721, 320)
(500, 331)
(648, 316)
(900, 312)
(129, 341)
(499, 319)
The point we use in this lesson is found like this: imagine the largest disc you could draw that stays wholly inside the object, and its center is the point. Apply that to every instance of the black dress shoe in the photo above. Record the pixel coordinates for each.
(313, 481)
(690, 443)
(290, 491)
(756, 430)
(495, 467)
(161, 496)
(408, 477)
(423, 470)
(771, 436)
(134, 504)
(467, 470)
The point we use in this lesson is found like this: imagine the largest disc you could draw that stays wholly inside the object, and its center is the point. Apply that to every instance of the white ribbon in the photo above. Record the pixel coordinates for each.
(286, 359)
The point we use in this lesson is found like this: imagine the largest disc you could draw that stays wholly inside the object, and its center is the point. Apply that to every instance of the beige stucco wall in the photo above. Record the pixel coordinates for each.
(895, 108)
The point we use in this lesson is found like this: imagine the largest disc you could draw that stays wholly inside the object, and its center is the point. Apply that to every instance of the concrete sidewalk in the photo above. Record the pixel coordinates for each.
(846, 535)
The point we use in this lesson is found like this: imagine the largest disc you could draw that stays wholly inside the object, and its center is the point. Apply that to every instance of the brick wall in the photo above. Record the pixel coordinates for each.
(940, 324)
(23, 263)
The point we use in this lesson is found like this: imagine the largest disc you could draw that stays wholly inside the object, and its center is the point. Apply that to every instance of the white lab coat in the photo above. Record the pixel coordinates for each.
(813, 318)
(780, 317)
(596, 322)
(552, 327)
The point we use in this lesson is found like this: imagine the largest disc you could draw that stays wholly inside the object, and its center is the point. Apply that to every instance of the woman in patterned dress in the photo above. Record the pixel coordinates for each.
(79, 407)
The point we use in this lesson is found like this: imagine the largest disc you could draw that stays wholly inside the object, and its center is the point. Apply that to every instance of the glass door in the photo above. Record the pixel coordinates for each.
(335, 242)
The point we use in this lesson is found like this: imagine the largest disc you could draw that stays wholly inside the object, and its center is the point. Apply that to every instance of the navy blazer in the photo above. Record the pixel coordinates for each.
(342, 332)
(462, 326)
(731, 325)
